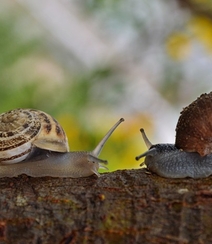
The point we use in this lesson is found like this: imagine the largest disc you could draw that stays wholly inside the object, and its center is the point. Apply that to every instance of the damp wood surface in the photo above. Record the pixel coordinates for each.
(126, 206)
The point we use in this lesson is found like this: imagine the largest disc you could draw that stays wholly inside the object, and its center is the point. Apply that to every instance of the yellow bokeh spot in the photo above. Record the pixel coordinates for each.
(178, 46)
(201, 28)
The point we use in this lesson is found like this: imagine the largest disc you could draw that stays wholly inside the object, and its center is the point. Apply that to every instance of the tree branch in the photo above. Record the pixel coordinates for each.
(128, 206)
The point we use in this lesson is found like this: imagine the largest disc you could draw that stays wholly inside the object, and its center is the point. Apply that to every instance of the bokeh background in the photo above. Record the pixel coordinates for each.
(89, 63)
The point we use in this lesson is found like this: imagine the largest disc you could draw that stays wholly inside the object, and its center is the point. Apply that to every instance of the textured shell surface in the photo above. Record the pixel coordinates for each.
(22, 130)
(194, 127)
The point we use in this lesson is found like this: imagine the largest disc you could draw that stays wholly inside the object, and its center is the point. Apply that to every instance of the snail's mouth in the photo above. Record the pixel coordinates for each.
(97, 163)
(101, 166)
(97, 166)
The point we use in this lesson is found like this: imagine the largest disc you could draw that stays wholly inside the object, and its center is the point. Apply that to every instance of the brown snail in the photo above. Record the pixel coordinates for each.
(191, 155)
(33, 143)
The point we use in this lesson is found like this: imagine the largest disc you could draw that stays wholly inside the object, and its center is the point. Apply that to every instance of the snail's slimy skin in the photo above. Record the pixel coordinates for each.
(71, 164)
(168, 161)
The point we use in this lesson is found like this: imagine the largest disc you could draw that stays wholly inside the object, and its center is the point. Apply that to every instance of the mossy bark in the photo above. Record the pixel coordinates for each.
(126, 206)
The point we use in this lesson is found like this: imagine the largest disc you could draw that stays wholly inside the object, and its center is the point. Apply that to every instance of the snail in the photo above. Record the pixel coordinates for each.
(33, 143)
(191, 155)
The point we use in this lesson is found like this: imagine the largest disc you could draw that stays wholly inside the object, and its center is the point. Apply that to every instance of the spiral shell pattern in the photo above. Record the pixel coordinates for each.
(22, 130)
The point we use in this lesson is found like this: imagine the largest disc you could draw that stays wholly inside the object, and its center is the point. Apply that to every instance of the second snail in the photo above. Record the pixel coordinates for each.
(191, 155)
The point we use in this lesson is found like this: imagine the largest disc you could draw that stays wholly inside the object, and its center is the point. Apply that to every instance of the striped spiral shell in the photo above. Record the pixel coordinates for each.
(23, 130)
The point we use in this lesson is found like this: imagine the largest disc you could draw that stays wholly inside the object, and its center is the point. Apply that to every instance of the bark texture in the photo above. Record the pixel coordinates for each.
(126, 206)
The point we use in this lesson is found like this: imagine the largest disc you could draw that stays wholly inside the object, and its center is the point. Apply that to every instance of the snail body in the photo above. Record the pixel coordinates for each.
(191, 155)
(33, 143)
(70, 164)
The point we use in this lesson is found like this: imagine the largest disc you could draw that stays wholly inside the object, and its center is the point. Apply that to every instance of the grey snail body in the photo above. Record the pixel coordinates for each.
(191, 155)
(33, 143)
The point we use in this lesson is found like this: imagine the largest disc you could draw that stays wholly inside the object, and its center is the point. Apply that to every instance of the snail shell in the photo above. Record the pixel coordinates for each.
(194, 127)
(24, 130)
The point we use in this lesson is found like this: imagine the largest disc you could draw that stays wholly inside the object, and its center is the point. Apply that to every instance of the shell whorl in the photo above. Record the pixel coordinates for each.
(21, 130)
(194, 127)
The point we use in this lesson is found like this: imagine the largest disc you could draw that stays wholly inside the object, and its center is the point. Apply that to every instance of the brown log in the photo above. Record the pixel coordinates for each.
(126, 206)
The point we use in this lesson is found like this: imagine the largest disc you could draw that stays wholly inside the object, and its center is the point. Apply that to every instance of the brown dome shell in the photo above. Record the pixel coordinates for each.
(194, 127)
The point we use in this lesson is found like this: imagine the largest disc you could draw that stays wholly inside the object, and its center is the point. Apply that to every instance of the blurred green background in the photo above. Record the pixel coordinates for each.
(89, 63)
